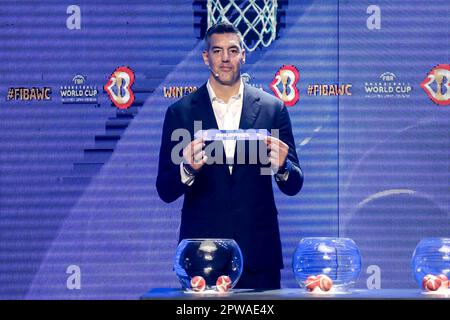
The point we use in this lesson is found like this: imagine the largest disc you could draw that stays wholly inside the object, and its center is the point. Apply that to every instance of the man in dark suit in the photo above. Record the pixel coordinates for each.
(228, 199)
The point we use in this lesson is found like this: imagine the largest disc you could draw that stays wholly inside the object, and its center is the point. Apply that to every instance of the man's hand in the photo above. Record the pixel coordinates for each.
(194, 155)
(278, 151)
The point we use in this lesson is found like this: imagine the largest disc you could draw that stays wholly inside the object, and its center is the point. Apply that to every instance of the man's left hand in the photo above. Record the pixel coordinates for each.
(278, 151)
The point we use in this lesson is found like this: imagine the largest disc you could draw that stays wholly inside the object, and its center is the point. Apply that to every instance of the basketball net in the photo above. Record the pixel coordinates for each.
(256, 19)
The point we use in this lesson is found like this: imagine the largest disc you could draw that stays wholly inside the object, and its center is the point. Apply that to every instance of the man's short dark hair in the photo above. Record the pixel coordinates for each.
(221, 28)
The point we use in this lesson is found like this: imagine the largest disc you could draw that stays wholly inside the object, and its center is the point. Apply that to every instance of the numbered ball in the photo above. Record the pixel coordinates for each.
(444, 281)
(433, 283)
(198, 283)
(325, 282)
(223, 283)
(312, 282)
(425, 279)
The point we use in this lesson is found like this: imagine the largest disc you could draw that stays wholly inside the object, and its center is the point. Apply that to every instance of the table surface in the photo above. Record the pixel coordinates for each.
(292, 294)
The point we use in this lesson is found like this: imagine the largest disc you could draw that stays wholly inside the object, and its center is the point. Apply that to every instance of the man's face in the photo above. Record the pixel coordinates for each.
(224, 58)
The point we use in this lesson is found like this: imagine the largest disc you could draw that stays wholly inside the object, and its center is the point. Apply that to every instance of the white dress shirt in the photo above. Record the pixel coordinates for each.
(228, 116)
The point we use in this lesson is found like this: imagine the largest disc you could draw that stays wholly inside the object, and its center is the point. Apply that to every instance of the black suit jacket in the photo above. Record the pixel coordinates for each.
(218, 204)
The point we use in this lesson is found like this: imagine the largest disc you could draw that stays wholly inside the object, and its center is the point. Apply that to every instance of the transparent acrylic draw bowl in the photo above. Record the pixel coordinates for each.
(431, 265)
(208, 265)
(326, 264)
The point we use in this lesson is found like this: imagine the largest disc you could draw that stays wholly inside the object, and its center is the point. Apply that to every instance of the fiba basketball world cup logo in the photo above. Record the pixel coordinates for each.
(284, 85)
(437, 84)
(118, 87)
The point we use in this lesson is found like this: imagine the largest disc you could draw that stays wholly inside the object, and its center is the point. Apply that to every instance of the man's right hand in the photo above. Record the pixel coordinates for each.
(194, 155)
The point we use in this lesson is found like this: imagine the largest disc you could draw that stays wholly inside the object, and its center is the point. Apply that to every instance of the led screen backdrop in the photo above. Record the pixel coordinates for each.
(366, 84)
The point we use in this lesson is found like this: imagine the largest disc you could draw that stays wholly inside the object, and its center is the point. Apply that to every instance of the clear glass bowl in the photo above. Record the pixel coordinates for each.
(336, 258)
(430, 259)
(208, 264)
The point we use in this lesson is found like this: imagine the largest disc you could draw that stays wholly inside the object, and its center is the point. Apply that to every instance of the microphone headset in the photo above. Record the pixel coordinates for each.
(214, 73)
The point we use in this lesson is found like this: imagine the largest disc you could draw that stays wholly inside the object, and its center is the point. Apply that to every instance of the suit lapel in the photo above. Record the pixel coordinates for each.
(250, 108)
(202, 109)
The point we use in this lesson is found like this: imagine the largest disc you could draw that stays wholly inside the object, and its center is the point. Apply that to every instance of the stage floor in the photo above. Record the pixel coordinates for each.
(293, 294)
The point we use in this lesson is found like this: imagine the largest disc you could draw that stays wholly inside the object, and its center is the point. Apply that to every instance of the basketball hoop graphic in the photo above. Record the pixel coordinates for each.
(256, 19)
